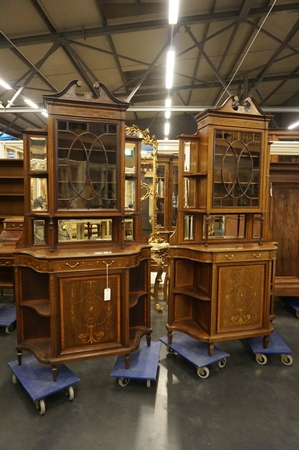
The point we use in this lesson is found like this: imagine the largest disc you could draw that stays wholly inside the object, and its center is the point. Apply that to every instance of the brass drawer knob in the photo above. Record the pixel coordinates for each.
(229, 256)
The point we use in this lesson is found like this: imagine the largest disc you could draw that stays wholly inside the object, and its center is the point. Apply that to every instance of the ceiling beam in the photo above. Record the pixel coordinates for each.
(150, 25)
(273, 58)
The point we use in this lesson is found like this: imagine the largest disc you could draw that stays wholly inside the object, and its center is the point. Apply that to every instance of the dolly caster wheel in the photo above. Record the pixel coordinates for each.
(9, 329)
(14, 379)
(222, 363)
(203, 372)
(41, 406)
(123, 382)
(70, 393)
(287, 359)
(261, 359)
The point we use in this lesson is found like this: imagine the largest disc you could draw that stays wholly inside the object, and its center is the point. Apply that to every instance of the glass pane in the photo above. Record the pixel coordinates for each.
(84, 230)
(39, 232)
(175, 191)
(39, 194)
(186, 156)
(257, 226)
(160, 195)
(130, 157)
(38, 153)
(147, 182)
(87, 166)
(130, 195)
(190, 157)
(230, 226)
(188, 227)
(129, 230)
(160, 212)
(189, 193)
(236, 169)
(288, 158)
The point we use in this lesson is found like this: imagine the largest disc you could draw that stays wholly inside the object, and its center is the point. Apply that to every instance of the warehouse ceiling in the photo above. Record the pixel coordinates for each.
(223, 48)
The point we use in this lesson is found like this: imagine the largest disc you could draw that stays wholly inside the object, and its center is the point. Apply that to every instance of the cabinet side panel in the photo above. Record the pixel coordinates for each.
(240, 297)
(203, 275)
(34, 327)
(202, 314)
(183, 307)
(184, 273)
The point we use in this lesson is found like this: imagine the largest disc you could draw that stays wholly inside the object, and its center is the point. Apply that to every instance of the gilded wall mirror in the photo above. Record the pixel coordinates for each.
(149, 151)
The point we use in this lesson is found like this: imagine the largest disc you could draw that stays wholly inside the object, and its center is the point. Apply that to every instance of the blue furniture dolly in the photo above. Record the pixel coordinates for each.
(195, 352)
(143, 365)
(37, 380)
(8, 317)
(292, 303)
(276, 346)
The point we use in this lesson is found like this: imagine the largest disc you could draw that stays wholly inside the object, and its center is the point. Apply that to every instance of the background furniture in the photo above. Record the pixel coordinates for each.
(12, 232)
(167, 194)
(284, 207)
(11, 188)
(11, 215)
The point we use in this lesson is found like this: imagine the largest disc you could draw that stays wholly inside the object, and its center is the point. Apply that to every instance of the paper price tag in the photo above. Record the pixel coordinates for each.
(107, 294)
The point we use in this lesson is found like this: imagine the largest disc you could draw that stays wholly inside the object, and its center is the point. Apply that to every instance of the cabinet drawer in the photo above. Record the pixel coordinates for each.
(241, 256)
(13, 226)
(6, 262)
(87, 264)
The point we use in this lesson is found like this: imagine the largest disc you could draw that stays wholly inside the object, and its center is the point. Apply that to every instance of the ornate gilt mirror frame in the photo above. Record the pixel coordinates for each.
(148, 190)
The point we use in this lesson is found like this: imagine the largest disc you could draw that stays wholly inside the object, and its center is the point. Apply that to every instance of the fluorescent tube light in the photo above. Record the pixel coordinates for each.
(169, 68)
(4, 84)
(173, 12)
(167, 105)
(166, 128)
(30, 103)
(44, 113)
(294, 125)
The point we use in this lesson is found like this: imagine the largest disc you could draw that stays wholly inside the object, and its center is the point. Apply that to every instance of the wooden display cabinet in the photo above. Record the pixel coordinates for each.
(11, 188)
(82, 275)
(284, 209)
(11, 215)
(167, 186)
(222, 257)
(12, 232)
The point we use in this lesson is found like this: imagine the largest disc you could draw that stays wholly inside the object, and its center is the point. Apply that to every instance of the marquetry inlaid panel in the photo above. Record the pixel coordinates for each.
(241, 292)
(86, 318)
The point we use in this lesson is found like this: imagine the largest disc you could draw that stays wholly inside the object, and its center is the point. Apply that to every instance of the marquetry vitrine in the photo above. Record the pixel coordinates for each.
(82, 274)
(222, 258)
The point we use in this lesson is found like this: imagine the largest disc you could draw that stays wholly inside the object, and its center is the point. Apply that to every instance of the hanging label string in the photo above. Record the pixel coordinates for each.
(107, 290)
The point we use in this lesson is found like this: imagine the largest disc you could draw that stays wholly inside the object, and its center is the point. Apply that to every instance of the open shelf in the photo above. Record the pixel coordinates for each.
(191, 292)
(42, 307)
